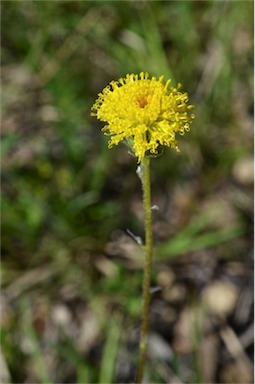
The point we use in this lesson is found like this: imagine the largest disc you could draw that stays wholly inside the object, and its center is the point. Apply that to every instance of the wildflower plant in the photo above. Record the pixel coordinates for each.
(145, 114)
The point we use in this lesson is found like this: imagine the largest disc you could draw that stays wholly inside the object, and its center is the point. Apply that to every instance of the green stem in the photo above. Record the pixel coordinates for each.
(146, 184)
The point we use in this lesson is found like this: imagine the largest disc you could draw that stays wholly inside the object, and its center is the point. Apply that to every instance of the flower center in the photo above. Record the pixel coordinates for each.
(142, 101)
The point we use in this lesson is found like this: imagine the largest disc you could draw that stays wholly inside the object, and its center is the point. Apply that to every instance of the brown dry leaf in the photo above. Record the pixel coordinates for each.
(191, 320)
(125, 247)
(236, 373)
(209, 354)
(165, 278)
(106, 267)
(61, 315)
(236, 350)
(174, 294)
(88, 331)
(220, 298)
(243, 170)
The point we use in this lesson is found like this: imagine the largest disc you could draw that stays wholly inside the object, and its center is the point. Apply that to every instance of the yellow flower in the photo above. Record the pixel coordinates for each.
(143, 112)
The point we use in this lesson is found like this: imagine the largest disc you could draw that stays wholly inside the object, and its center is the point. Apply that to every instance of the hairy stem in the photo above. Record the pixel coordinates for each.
(146, 184)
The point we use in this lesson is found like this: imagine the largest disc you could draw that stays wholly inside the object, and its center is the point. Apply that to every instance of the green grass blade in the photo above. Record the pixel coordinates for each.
(110, 352)
(181, 245)
(37, 355)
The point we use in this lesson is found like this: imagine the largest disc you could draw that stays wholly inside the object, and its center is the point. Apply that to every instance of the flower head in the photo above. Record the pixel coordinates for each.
(144, 112)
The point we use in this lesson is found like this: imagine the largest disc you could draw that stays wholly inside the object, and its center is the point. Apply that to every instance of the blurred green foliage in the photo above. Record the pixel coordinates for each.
(64, 194)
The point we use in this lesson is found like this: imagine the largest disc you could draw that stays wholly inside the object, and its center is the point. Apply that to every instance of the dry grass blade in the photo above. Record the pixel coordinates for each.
(236, 350)
(30, 279)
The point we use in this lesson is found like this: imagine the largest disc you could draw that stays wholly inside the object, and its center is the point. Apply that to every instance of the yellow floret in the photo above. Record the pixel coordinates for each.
(143, 111)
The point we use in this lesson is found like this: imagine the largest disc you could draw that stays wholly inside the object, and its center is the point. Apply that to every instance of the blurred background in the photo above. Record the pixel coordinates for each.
(71, 208)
